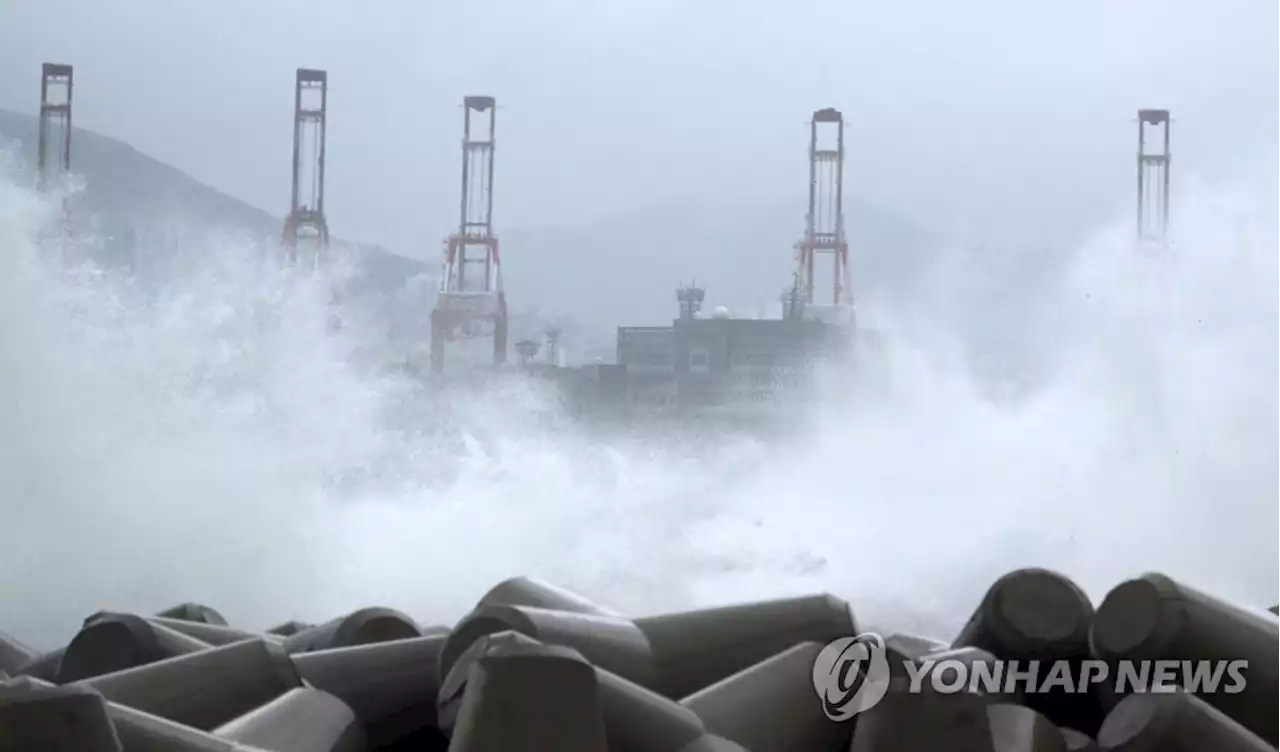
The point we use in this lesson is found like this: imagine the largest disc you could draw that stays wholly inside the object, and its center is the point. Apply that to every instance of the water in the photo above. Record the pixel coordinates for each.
(217, 442)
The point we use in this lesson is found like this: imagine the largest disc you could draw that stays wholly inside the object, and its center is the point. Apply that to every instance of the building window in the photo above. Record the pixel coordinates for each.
(698, 359)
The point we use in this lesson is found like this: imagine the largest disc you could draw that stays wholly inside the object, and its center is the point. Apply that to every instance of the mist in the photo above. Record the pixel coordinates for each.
(1045, 397)
(220, 443)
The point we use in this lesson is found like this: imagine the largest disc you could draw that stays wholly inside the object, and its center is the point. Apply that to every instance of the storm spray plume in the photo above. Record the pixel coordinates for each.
(217, 441)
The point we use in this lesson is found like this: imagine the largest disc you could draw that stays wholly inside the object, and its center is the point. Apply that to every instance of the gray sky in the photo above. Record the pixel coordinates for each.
(994, 117)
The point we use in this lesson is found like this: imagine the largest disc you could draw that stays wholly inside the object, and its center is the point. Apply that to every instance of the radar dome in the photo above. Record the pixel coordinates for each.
(720, 313)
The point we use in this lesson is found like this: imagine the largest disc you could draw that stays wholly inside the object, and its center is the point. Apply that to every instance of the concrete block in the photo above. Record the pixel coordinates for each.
(35, 716)
(529, 697)
(1078, 741)
(923, 721)
(695, 649)
(1017, 728)
(674, 654)
(111, 642)
(300, 720)
(528, 591)
(211, 634)
(195, 612)
(361, 627)
(206, 689)
(142, 732)
(1174, 722)
(44, 666)
(1154, 617)
(14, 654)
(1030, 613)
(771, 707)
(610, 642)
(391, 686)
(636, 719)
(911, 646)
(289, 628)
(983, 670)
(1038, 615)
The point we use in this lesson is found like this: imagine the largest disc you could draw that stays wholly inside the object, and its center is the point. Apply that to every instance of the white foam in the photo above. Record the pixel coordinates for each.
(218, 443)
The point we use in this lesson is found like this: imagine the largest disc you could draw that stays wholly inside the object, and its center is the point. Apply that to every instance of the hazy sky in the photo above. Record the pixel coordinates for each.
(994, 117)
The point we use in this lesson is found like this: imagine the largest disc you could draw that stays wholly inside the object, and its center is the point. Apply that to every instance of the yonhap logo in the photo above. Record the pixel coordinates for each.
(851, 675)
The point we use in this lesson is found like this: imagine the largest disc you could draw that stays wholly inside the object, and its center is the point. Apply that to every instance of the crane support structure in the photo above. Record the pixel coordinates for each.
(53, 160)
(824, 237)
(306, 230)
(471, 302)
(1153, 178)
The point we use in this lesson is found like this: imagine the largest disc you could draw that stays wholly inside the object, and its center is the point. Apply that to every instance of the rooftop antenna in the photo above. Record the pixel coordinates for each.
(690, 298)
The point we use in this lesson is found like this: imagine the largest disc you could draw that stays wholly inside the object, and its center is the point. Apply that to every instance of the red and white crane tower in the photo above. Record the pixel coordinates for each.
(471, 302)
(824, 236)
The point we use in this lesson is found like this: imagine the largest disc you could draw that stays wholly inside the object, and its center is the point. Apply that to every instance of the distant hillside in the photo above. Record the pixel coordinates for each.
(124, 186)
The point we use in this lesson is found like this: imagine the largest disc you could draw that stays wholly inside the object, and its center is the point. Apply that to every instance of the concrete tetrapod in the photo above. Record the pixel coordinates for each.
(289, 628)
(522, 697)
(1038, 615)
(981, 668)
(528, 591)
(143, 732)
(610, 642)
(196, 612)
(13, 654)
(923, 719)
(636, 719)
(356, 628)
(771, 707)
(1174, 722)
(207, 689)
(673, 654)
(37, 716)
(1017, 728)
(44, 666)
(910, 646)
(391, 686)
(1154, 618)
(111, 642)
(300, 720)
(695, 649)
(1078, 741)
(903, 650)
(212, 634)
